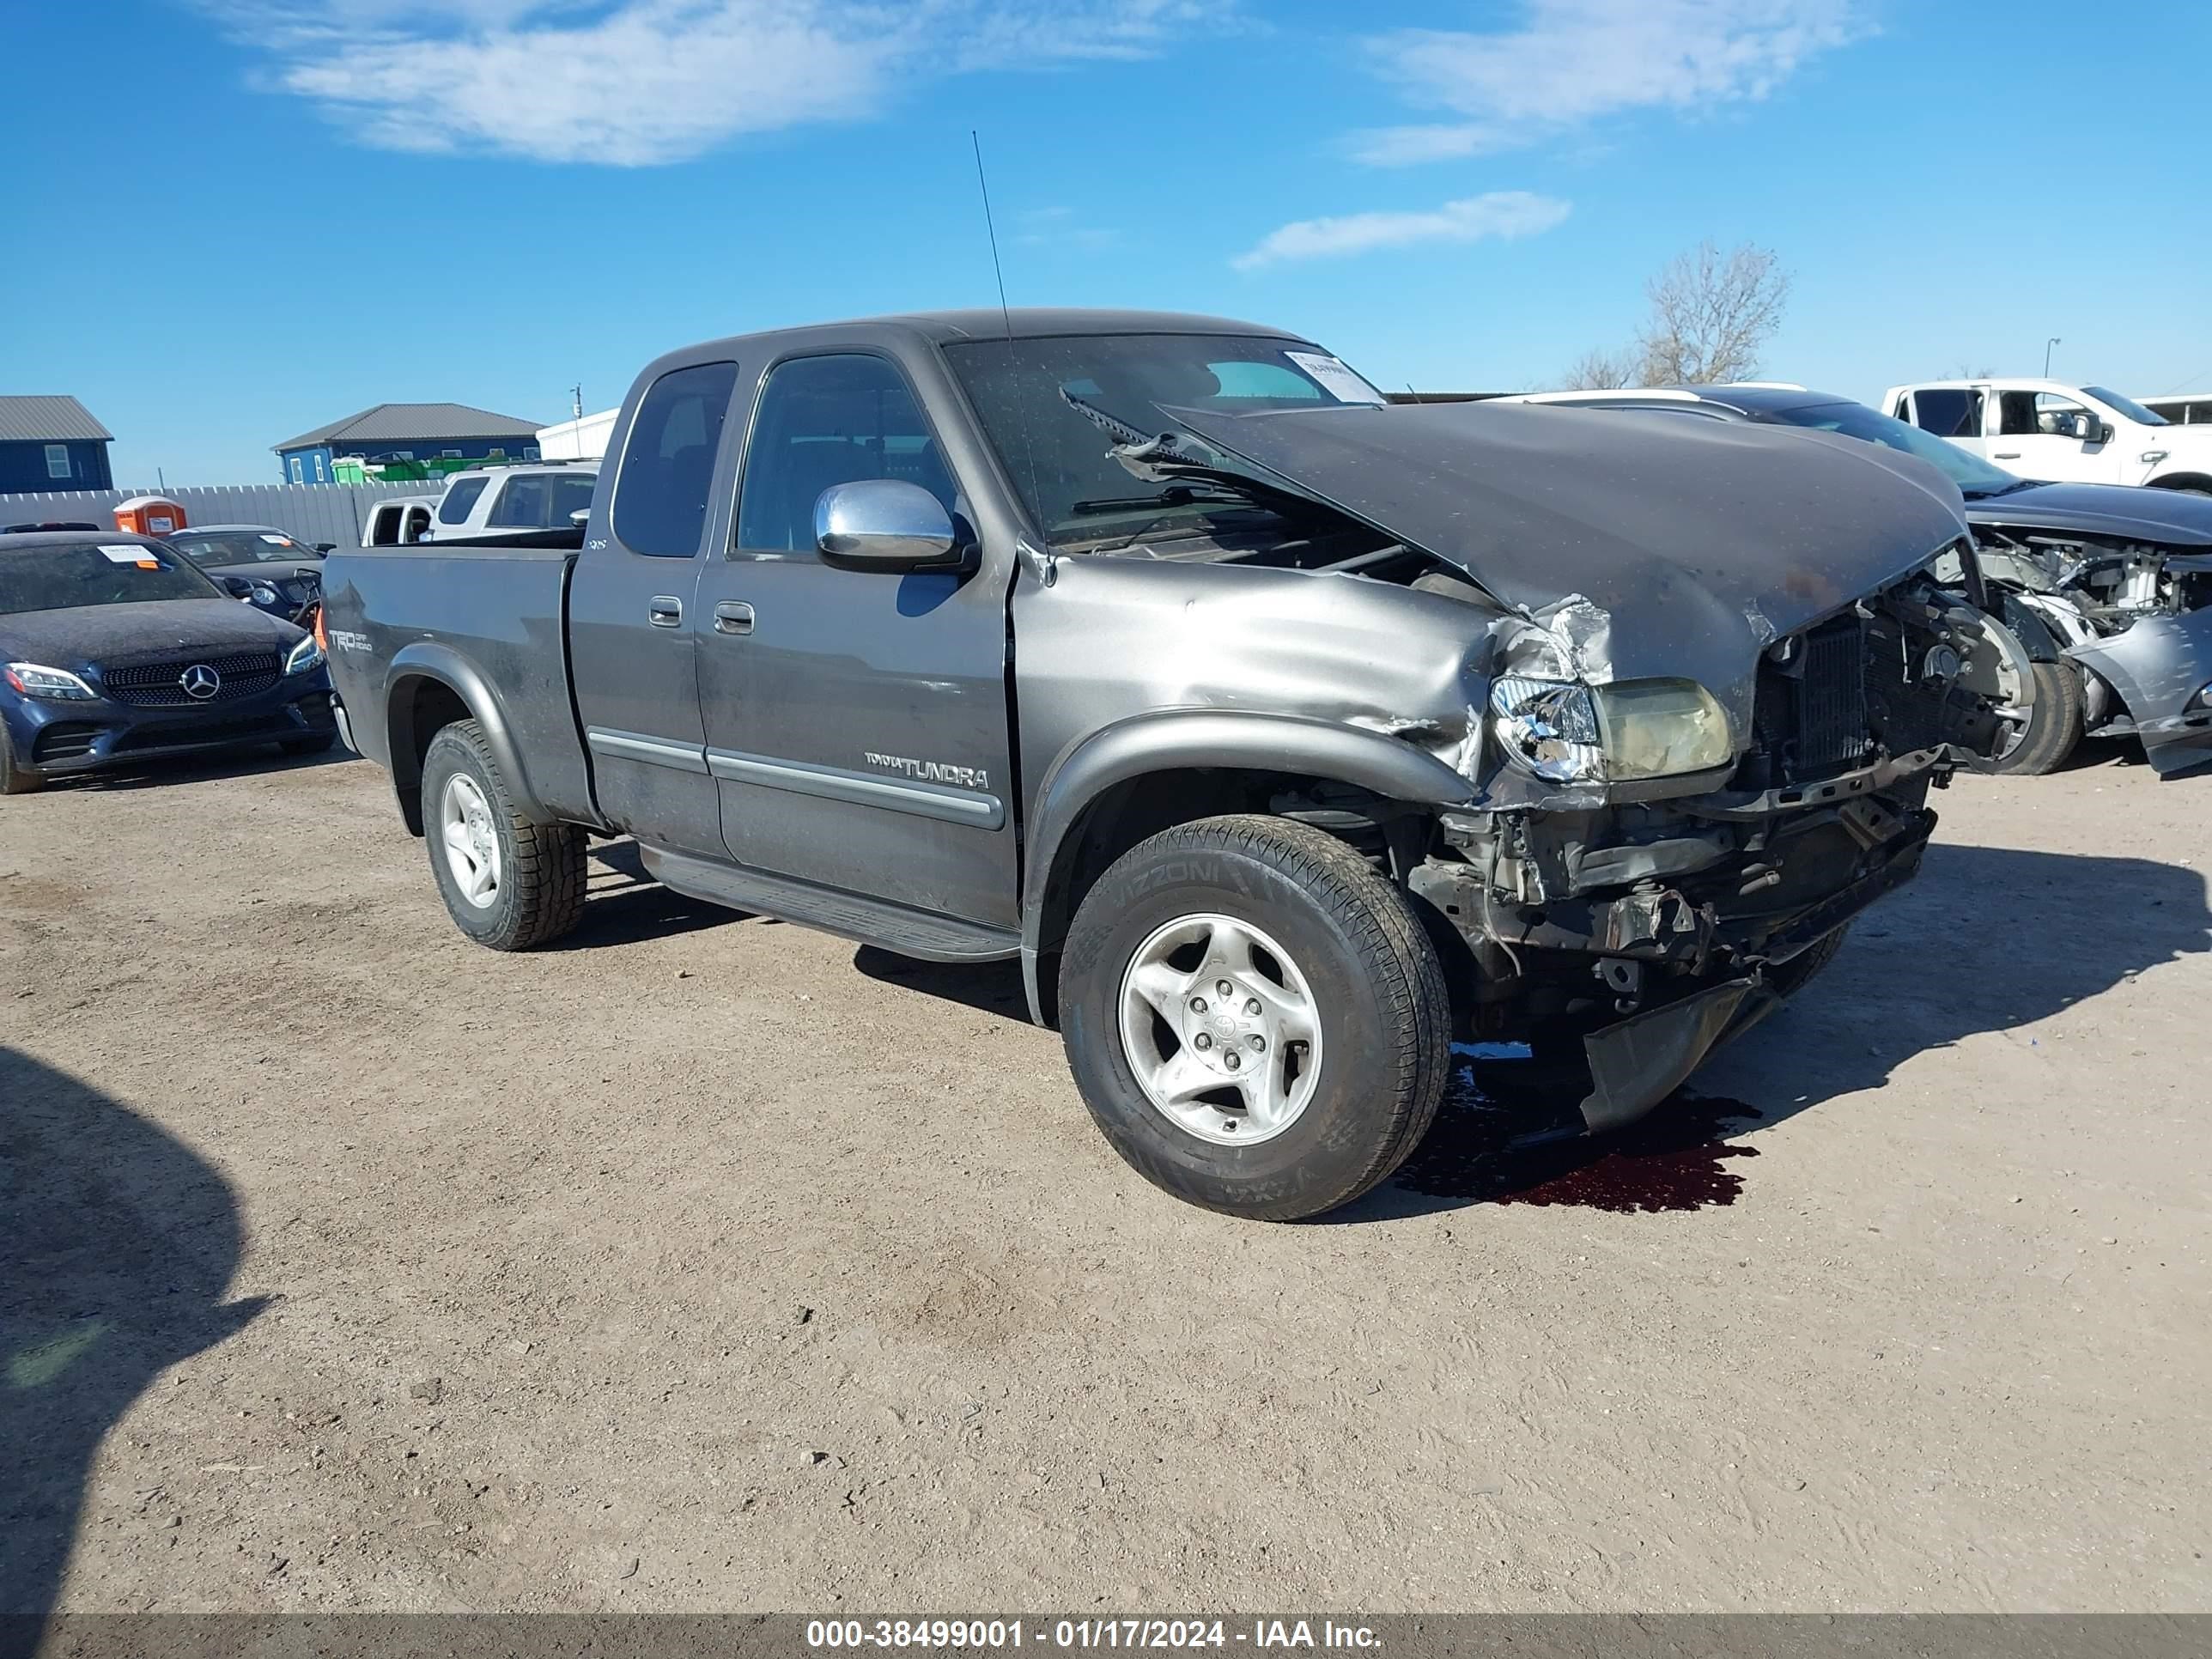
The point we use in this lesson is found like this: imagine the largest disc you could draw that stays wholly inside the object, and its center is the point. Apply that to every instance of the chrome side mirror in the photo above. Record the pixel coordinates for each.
(582, 518)
(884, 524)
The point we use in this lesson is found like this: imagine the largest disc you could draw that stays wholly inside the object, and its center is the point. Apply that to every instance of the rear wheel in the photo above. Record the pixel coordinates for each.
(508, 882)
(15, 779)
(1256, 1020)
(2054, 724)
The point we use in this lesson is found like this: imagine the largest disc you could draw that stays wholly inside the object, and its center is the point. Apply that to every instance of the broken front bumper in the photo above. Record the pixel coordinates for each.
(1726, 957)
(1639, 1062)
(2161, 669)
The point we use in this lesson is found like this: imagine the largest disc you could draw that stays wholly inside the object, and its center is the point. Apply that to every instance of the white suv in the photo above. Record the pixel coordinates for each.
(515, 504)
(2065, 433)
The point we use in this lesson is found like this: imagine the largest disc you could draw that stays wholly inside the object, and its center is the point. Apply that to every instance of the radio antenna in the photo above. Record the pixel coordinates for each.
(990, 227)
(1042, 564)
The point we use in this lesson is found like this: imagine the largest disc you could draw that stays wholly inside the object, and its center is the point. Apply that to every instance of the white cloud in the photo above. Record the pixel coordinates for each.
(1502, 214)
(1059, 229)
(1575, 61)
(635, 83)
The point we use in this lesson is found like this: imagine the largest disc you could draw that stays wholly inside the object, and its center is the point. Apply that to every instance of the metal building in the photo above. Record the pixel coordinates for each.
(408, 432)
(51, 443)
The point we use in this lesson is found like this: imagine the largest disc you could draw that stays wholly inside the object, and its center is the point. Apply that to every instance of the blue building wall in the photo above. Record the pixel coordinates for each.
(23, 467)
(423, 449)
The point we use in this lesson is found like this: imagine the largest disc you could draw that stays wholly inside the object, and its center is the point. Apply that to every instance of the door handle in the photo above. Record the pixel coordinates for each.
(734, 617)
(2008, 454)
(664, 611)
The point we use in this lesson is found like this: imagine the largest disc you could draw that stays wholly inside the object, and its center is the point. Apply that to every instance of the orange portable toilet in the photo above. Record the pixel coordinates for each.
(149, 515)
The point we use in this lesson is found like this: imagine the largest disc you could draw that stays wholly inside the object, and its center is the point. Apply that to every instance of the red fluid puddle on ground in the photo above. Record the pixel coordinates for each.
(1510, 1144)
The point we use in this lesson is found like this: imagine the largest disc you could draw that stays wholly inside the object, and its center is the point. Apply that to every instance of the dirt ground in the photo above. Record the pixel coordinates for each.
(707, 1263)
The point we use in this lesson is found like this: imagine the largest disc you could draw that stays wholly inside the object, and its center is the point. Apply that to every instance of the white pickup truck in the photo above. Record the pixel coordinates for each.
(2047, 429)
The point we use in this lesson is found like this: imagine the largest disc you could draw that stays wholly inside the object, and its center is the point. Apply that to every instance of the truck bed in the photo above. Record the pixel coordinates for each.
(494, 617)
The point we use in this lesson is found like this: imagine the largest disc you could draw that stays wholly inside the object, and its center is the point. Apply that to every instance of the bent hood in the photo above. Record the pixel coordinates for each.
(2133, 512)
(93, 633)
(1694, 542)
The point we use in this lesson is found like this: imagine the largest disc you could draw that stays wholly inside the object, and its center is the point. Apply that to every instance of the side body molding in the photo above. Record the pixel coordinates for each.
(430, 659)
(1177, 739)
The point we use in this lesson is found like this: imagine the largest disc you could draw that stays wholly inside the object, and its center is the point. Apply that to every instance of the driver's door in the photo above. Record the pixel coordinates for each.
(2030, 437)
(856, 720)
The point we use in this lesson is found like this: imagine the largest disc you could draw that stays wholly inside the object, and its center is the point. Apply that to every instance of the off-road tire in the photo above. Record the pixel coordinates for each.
(1793, 975)
(15, 779)
(1378, 989)
(315, 745)
(2056, 726)
(542, 865)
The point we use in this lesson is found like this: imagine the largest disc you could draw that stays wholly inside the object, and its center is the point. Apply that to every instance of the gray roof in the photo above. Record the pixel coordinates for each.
(49, 421)
(393, 423)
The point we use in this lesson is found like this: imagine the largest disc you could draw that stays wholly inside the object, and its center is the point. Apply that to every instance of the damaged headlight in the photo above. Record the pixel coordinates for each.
(1568, 732)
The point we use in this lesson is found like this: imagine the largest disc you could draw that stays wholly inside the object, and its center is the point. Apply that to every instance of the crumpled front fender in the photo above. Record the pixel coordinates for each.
(2159, 667)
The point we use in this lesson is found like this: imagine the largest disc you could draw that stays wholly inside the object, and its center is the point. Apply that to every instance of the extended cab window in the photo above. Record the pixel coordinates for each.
(459, 497)
(1949, 412)
(668, 464)
(826, 421)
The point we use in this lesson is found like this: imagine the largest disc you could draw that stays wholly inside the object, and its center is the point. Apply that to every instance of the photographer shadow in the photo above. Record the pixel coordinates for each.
(120, 1245)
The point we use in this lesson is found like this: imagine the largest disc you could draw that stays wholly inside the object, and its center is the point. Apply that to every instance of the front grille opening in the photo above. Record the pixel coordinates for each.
(1811, 718)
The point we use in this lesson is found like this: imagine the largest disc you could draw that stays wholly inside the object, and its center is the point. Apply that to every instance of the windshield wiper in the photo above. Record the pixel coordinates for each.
(1176, 494)
(1170, 457)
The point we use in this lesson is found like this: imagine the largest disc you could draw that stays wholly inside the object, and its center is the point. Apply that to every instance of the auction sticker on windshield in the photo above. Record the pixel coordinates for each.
(131, 554)
(1336, 377)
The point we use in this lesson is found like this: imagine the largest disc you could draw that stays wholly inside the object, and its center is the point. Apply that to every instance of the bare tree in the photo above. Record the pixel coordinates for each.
(1966, 371)
(1600, 370)
(1712, 314)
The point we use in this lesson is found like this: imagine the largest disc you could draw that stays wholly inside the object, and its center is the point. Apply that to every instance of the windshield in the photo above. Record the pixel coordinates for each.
(1057, 456)
(242, 547)
(65, 575)
(1974, 476)
(2127, 406)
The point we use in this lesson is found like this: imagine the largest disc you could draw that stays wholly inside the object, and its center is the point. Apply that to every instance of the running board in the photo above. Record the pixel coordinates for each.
(892, 927)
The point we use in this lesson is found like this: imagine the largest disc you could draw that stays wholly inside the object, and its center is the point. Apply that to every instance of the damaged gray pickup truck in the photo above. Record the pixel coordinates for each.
(1279, 734)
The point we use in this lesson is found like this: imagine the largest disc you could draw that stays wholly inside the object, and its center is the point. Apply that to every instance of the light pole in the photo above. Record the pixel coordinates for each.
(2047, 344)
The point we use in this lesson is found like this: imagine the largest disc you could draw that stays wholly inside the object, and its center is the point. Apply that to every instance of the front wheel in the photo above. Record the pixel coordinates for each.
(1256, 1020)
(15, 779)
(508, 882)
(2054, 724)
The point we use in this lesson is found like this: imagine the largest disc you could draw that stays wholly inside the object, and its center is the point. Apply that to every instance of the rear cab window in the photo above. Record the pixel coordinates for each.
(668, 469)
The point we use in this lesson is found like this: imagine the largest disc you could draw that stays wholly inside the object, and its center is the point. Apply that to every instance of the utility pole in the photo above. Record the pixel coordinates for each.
(2047, 344)
(576, 396)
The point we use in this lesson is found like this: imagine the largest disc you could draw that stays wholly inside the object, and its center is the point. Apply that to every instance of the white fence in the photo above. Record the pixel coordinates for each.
(310, 512)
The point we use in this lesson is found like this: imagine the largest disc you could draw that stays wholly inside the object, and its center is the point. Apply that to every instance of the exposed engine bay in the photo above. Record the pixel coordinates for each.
(2087, 587)
(2134, 617)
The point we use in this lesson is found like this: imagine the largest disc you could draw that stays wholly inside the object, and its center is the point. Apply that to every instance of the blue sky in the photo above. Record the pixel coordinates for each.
(233, 220)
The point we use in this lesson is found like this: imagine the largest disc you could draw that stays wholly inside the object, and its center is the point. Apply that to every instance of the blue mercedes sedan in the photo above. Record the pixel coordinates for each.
(115, 648)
